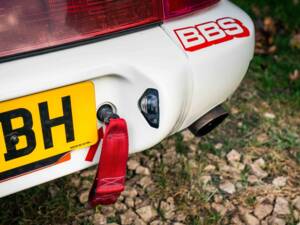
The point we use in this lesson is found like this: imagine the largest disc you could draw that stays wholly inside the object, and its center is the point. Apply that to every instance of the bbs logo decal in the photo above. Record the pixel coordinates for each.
(211, 33)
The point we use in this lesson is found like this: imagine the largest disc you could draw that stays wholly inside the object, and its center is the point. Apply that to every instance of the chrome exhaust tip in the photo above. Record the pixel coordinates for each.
(209, 121)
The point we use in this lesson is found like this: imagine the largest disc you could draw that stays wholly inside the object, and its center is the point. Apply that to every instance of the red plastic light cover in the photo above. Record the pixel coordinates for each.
(29, 25)
(174, 8)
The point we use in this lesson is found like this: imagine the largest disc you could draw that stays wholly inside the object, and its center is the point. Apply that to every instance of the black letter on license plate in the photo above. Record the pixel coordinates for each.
(48, 123)
(26, 130)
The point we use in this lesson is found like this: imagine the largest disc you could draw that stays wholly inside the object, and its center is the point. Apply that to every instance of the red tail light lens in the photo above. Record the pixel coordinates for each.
(173, 8)
(28, 25)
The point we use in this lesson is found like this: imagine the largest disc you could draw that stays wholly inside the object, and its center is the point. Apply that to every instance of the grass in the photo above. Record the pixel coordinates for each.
(211, 217)
(37, 205)
(270, 72)
(284, 12)
(267, 88)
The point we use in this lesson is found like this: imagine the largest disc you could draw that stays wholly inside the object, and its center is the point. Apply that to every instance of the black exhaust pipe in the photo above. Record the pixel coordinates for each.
(209, 121)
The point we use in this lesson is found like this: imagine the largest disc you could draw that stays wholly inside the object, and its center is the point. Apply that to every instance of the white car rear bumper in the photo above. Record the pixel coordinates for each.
(122, 68)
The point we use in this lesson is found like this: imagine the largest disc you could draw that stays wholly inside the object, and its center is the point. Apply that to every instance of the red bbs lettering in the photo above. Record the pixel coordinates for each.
(211, 33)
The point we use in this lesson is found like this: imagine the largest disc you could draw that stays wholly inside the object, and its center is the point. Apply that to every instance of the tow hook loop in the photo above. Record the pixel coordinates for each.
(111, 172)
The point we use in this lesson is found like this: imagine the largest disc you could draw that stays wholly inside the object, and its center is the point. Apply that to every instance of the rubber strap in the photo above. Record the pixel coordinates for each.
(111, 172)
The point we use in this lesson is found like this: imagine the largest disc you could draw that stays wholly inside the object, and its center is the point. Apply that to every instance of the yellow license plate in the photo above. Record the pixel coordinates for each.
(46, 124)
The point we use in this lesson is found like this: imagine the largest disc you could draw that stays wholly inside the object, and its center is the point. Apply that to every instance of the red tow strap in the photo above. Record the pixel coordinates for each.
(111, 172)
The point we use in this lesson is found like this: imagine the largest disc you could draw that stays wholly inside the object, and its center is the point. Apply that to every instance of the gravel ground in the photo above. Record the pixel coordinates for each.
(245, 172)
(166, 186)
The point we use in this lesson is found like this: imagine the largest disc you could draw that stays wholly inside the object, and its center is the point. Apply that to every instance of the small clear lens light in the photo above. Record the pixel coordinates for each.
(149, 106)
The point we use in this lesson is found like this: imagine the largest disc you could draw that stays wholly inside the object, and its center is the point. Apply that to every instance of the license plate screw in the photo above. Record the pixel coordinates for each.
(14, 139)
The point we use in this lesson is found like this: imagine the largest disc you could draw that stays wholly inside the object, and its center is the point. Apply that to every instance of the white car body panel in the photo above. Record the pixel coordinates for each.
(122, 68)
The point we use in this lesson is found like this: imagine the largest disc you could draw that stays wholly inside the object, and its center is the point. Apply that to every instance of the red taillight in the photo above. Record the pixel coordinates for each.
(28, 25)
(173, 8)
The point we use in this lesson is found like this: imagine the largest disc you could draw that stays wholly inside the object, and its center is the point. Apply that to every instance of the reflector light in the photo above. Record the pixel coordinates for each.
(31, 25)
(149, 106)
(174, 8)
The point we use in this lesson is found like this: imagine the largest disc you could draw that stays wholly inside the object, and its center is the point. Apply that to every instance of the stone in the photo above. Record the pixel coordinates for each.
(260, 162)
(258, 171)
(250, 219)
(142, 171)
(218, 146)
(269, 115)
(262, 138)
(205, 179)
(269, 25)
(53, 190)
(86, 184)
(219, 208)
(120, 207)
(234, 110)
(84, 196)
(121, 198)
(128, 217)
(210, 168)
(75, 182)
(233, 171)
(236, 220)
(253, 179)
(294, 76)
(170, 156)
(138, 221)
(247, 160)
(230, 207)
(129, 202)
(239, 186)
(193, 149)
(132, 164)
(227, 187)
(108, 211)
(187, 135)
(130, 192)
(145, 181)
(279, 182)
(268, 199)
(278, 221)
(281, 207)
(261, 211)
(296, 215)
(168, 208)
(157, 222)
(210, 188)
(233, 156)
(218, 198)
(295, 41)
(296, 203)
(138, 202)
(239, 166)
(193, 164)
(99, 219)
(147, 213)
(180, 216)
(243, 210)
(88, 213)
